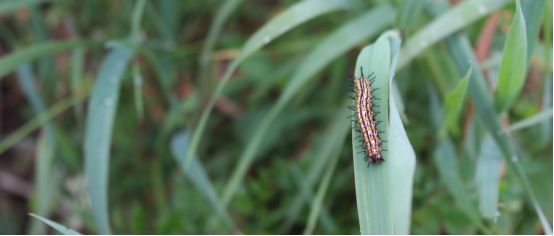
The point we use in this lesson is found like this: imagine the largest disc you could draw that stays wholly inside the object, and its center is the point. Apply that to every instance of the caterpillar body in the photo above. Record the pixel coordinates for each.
(365, 118)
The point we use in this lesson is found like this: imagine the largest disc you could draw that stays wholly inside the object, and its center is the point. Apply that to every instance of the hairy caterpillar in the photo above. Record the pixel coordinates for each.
(365, 117)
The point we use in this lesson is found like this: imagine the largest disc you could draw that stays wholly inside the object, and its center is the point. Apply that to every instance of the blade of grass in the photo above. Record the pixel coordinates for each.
(513, 66)
(40, 120)
(533, 120)
(453, 104)
(20, 56)
(546, 130)
(453, 20)
(384, 190)
(445, 159)
(197, 174)
(533, 13)
(308, 182)
(223, 13)
(60, 228)
(287, 20)
(8, 6)
(408, 11)
(462, 53)
(76, 79)
(98, 133)
(45, 181)
(137, 91)
(330, 48)
(44, 190)
(337, 137)
(488, 177)
(138, 12)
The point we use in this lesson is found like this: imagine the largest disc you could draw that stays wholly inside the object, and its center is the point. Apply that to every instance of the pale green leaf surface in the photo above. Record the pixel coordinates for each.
(60, 228)
(533, 13)
(98, 134)
(513, 66)
(488, 177)
(453, 104)
(383, 191)
(536, 119)
(20, 56)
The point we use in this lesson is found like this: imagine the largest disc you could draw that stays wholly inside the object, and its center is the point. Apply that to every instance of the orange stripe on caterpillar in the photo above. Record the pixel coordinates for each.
(365, 117)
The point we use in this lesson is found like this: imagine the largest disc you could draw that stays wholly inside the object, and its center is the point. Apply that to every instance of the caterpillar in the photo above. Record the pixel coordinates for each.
(365, 117)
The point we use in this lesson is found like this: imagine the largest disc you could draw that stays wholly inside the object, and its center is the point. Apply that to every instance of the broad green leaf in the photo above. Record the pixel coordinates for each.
(287, 20)
(453, 104)
(513, 66)
(98, 133)
(20, 56)
(60, 228)
(453, 20)
(330, 48)
(488, 177)
(384, 190)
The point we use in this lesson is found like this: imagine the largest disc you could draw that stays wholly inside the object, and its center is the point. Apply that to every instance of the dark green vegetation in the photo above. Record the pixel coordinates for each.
(176, 117)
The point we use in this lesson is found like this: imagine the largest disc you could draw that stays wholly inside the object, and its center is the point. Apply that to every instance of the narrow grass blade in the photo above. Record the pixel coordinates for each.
(138, 12)
(60, 228)
(513, 66)
(46, 180)
(76, 79)
(98, 134)
(313, 175)
(462, 53)
(455, 19)
(453, 104)
(408, 12)
(39, 120)
(196, 173)
(533, 13)
(20, 56)
(223, 13)
(330, 48)
(488, 177)
(137, 89)
(287, 20)
(338, 134)
(384, 190)
(8, 6)
(445, 160)
(531, 121)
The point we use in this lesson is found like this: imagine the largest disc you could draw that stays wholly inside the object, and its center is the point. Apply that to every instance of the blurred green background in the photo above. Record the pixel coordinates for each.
(101, 100)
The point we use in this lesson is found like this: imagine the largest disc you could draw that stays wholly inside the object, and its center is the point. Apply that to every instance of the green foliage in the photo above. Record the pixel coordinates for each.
(228, 117)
